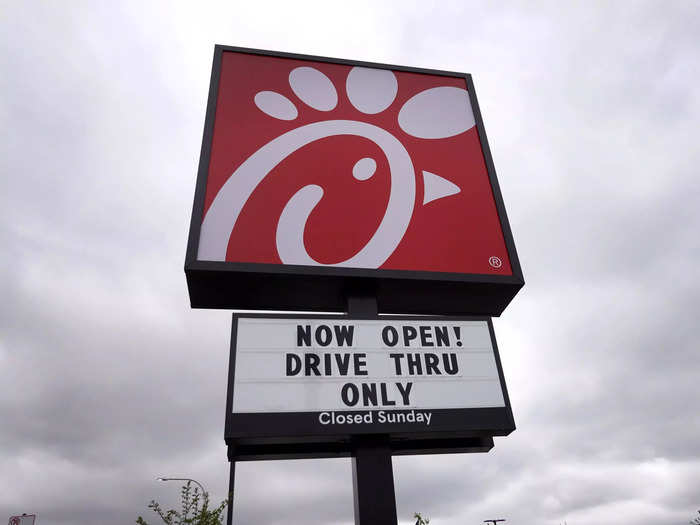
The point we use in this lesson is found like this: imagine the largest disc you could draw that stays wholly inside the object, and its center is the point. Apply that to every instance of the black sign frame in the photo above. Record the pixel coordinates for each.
(288, 435)
(256, 286)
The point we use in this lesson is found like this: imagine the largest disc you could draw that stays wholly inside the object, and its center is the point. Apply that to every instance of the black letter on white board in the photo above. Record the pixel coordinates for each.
(303, 335)
(293, 364)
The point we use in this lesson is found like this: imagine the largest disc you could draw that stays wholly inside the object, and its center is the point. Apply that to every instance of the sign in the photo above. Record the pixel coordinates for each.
(24, 519)
(326, 379)
(318, 176)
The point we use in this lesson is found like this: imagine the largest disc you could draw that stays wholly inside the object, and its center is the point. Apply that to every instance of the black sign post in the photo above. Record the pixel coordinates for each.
(372, 469)
(373, 482)
(231, 478)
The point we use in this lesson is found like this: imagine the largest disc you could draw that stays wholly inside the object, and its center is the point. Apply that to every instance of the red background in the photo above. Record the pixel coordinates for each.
(458, 233)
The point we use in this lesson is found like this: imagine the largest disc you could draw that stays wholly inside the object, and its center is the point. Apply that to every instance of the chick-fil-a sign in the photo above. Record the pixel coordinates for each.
(323, 164)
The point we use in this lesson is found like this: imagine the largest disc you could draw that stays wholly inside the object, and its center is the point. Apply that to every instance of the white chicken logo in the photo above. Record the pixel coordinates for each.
(434, 113)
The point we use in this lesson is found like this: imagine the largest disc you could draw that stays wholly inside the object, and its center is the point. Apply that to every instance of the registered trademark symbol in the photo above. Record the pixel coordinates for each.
(495, 262)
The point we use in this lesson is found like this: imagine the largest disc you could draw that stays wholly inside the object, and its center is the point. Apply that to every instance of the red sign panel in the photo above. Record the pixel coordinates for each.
(328, 164)
(316, 163)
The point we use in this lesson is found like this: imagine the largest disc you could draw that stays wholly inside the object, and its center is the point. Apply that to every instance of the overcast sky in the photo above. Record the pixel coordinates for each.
(109, 379)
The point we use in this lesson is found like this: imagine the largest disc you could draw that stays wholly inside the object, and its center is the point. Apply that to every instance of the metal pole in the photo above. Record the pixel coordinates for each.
(373, 483)
(372, 470)
(231, 477)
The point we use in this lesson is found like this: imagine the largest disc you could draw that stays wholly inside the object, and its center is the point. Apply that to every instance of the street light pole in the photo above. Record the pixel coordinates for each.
(184, 479)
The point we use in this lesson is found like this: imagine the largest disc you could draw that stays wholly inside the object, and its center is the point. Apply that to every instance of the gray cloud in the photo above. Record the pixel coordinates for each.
(110, 380)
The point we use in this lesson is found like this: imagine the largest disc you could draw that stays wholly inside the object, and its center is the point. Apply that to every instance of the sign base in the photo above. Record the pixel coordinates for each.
(373, 482)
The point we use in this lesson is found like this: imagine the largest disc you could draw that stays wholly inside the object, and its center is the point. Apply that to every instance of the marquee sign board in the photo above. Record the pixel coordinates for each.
(315, 383)
(321, 177)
